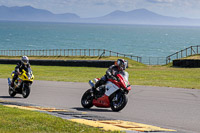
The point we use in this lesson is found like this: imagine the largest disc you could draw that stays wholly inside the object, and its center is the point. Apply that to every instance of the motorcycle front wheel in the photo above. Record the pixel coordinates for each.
(26, 90)
(11, 92)
(118, 103)
(86, 100)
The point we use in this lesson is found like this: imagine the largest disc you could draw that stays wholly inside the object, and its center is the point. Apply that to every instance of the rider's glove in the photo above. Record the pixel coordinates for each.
(108, 73)
(114, 78)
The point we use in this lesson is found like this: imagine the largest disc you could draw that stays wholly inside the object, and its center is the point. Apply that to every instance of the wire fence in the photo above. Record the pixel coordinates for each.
(68, 52)
(192, 50)
(154, 60)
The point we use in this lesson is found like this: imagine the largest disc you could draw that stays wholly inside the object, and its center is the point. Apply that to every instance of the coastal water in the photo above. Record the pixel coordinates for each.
(138, 40)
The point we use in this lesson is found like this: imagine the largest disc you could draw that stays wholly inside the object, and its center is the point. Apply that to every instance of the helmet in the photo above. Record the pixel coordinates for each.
(122, 64)
(25, 60)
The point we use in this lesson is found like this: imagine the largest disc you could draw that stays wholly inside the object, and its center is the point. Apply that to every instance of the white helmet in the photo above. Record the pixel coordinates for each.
(122, 64)
(25, 60)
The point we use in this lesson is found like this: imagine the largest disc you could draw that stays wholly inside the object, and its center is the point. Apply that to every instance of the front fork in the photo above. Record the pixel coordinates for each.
(117, 96)
(9, 82)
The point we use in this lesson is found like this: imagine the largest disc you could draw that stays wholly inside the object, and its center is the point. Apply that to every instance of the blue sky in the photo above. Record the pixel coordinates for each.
(95, 8)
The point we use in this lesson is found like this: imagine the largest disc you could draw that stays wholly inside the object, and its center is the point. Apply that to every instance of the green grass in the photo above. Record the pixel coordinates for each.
(139, 74)
(15, 120)
(142, 75)
(197, 56)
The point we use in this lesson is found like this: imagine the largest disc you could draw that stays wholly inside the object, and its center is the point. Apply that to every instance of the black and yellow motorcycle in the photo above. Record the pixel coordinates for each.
(22, 85)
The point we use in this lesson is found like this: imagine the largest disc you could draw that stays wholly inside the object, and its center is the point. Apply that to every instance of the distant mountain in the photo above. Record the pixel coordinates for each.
(28, 13)
(138, 16)
(142, 16)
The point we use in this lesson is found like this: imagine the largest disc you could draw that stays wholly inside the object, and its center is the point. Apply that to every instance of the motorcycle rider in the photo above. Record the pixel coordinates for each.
(111, 73)
(23, 64)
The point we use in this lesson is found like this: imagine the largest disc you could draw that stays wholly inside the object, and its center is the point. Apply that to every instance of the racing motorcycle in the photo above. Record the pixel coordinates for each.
(112, 94)
(22, 85)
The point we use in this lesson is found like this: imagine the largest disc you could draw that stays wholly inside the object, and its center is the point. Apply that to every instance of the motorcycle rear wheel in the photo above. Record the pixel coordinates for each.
(26, 90)
(11, 92)
(86, 100)
(119, 104)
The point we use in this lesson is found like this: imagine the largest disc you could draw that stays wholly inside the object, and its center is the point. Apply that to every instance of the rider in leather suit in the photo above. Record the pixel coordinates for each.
(23, 64)
(111, 73)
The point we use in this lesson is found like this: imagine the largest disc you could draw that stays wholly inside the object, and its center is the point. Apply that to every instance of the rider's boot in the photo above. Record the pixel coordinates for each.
(12, 84)
(13, 80)
(94, 88)
(94, 92)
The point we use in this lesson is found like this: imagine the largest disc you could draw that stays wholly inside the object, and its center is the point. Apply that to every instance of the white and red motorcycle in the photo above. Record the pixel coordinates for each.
(112, 94)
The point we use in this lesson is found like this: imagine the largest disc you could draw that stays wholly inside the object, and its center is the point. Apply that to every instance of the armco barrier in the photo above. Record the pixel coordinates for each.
(187, 63)
(79, 63)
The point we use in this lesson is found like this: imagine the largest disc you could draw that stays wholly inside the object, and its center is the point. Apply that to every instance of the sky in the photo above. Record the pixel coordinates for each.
(96, 8)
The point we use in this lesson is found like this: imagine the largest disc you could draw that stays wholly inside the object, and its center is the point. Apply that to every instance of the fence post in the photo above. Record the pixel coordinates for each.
(169, 59)
(197, 50)
(191, 50)
(186, 52)
(84, 52)
(181, 53)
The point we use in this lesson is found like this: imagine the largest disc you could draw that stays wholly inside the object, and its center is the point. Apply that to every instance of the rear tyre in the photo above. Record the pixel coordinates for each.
(26, 90)
(86, 100)
(119, 103)
(11, 92)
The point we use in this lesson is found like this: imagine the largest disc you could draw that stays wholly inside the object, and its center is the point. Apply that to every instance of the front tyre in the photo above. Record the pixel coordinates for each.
(11, 92)
(86, 100)
(26, 90)
(118, 102)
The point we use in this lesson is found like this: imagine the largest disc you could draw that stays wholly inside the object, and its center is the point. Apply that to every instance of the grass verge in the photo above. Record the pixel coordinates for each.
(15, 120)
(197, 56)
(139, 74)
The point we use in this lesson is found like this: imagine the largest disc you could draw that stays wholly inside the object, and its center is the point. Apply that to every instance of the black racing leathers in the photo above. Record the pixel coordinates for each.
(18, 69)
(110, 74)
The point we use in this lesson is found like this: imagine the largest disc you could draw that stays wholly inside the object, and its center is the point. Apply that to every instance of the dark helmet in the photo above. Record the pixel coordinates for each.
(122, 64)
(25, 60)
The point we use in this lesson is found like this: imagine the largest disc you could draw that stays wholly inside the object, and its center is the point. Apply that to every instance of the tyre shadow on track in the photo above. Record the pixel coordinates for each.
(92, 110)
(9, 97)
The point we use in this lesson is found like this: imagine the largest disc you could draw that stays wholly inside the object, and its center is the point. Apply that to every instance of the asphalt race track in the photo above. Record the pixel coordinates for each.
(173, 108)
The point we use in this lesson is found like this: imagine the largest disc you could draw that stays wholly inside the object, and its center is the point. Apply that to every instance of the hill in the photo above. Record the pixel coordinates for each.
(142, 16)
(138, 16)
(28, 13)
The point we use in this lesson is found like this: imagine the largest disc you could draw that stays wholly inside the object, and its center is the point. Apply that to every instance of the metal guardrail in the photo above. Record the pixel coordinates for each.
(192, 50)
(153, 60)
(68, 52)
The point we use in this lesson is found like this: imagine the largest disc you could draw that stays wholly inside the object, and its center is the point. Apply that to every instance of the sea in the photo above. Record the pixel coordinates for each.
(137, 40)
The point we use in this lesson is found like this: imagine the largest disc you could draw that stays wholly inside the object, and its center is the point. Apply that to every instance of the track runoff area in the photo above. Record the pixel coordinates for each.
(91, 120)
